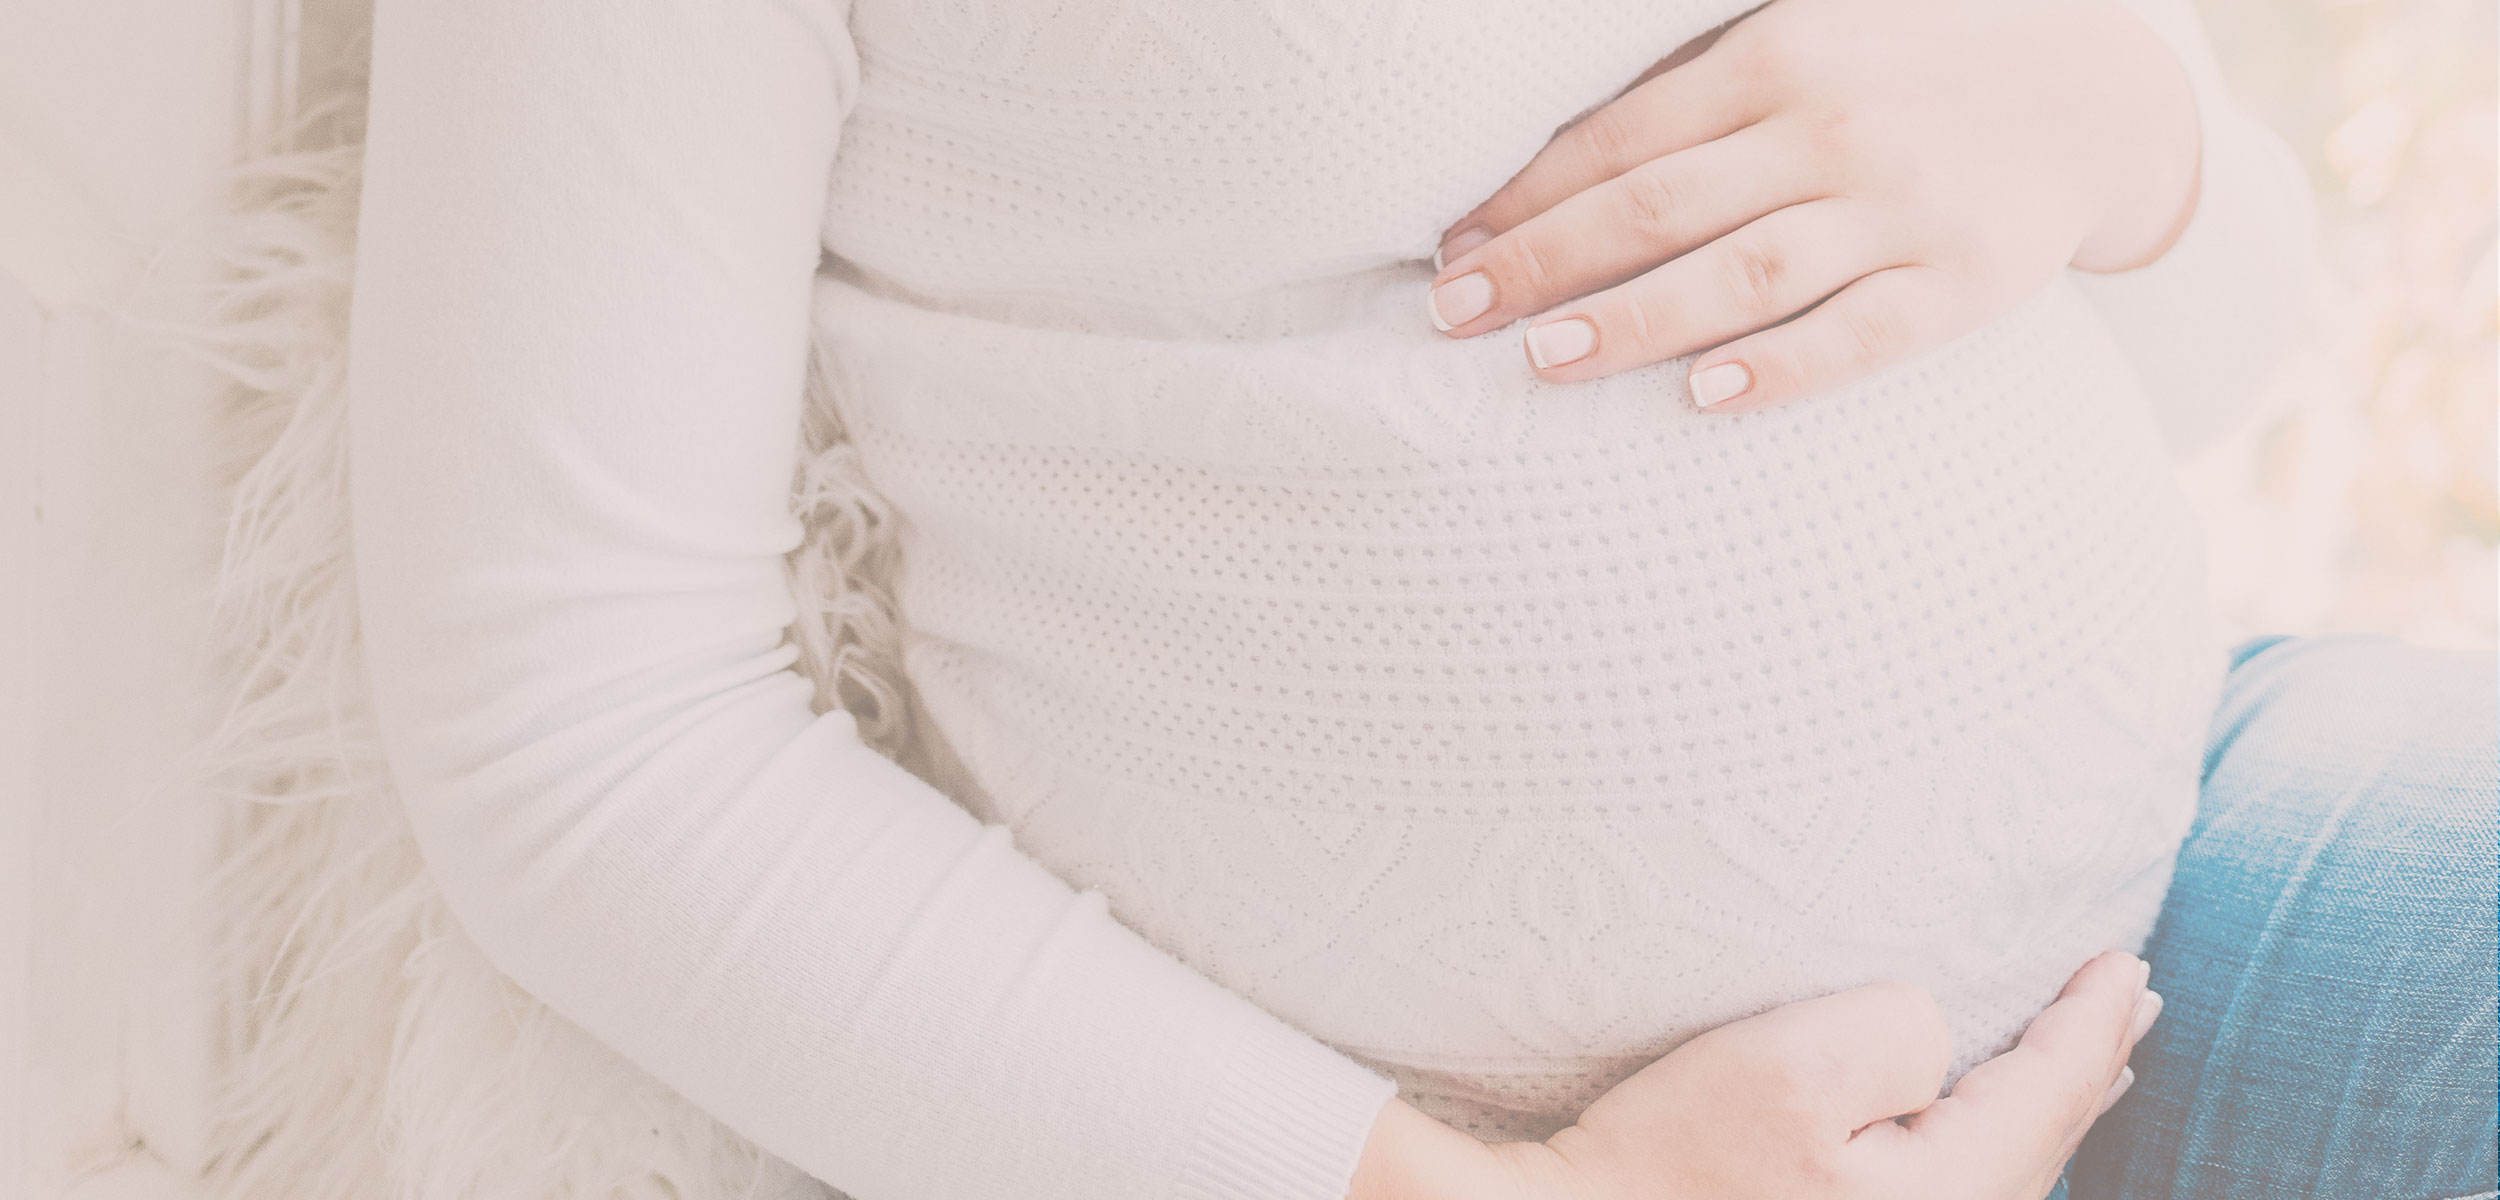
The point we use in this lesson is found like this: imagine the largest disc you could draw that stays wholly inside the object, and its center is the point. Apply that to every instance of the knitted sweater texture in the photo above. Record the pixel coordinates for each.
(1331, 709)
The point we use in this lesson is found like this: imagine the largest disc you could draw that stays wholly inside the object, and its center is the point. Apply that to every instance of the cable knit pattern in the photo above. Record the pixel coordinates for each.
(1502, 734)
(1507, 749)
(1367, 714)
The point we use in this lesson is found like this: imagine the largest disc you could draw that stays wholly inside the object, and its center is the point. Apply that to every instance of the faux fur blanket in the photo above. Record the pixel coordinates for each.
(368, 1050)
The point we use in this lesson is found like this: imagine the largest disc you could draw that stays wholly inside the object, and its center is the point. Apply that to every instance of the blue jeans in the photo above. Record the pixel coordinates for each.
(2328, 947)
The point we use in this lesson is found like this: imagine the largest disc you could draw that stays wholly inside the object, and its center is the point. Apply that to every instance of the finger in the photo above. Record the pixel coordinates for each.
(2073, 1142)
(1762, 273)
(1621, 227)
(1681, 107)
(1850, 1058)
(2147, 1010)
(2094, 1014)
(2055, 1078)
(2020, 1115)
(1879, 320)
(2117, 1091)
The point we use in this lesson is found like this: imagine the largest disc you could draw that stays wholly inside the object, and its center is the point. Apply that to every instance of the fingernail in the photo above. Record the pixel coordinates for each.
(2147, 1010)
(2125, 1080)
(1556, 343)
(1457, 245)
(2143, 971)
(1461, 300)
(1719, 383)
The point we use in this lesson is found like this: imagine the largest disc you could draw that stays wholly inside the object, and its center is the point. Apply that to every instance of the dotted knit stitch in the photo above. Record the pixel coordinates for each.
(1502, 734)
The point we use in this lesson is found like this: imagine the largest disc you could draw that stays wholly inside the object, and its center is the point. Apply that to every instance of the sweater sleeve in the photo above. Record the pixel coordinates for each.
(580, 325)
(2206, 321)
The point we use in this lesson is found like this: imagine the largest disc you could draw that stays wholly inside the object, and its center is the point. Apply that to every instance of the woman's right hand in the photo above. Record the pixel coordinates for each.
(1837, 1097)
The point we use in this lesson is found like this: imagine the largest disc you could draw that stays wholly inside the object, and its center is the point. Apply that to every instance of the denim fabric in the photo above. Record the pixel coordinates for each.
(2327, 951)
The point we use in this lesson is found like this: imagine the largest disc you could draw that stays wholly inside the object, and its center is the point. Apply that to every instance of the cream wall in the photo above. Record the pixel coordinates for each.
(113, 116)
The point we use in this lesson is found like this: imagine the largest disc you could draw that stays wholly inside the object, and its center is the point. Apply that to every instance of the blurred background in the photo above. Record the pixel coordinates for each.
(2366, 501)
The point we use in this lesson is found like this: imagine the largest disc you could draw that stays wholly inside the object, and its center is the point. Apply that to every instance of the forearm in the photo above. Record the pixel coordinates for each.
(580, 324)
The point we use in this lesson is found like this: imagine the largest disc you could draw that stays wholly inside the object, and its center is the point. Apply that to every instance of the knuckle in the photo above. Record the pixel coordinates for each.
(1522, 271)
(1773, 56)
(1640, 319)
(1868, 334)
(2077, 1097)
(1816, 1166)
(1613, 139)
(1833, 131)
(1794, 1077)
(1755, 272)
(1918, 181)
(1777, 1077)
(1652, 203)
(1776, 367)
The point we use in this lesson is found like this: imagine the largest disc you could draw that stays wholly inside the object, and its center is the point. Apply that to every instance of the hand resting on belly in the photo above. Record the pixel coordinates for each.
(1830, 187)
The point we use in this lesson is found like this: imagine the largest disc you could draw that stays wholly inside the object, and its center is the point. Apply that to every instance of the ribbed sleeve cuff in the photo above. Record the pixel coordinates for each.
(1288, 1124)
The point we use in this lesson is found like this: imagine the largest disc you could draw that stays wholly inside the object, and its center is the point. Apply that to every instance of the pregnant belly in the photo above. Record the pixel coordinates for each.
(1506, 735)
(1506, 971)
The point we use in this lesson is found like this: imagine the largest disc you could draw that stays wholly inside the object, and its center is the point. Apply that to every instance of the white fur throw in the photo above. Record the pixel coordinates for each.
(369, 1051)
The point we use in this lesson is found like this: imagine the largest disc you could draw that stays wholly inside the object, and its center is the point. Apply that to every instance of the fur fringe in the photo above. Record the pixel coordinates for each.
(367, 1050)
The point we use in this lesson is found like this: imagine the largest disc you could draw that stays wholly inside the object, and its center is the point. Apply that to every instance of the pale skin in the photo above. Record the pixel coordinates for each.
(1817, 191)
(1830, 187)
(1836, 1098)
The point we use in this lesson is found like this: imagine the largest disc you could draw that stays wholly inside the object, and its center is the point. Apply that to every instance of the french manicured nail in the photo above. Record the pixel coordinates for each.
(1722, 382)
(1457, 245)
(1461, 300)
(2147, 1010)
(2126, 1079)
(1558, 342)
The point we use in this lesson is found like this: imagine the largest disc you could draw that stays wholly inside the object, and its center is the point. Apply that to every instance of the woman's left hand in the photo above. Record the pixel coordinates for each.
(1898, 171)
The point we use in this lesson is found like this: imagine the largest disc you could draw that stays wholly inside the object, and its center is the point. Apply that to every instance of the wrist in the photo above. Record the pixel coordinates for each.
(1410, 1156)
(2156, 155)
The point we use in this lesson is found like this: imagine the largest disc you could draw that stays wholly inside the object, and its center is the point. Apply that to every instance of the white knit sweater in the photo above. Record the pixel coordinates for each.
(1368, 715)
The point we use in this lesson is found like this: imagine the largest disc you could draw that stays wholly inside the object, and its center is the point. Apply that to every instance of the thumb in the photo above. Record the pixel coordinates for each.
(2027, 1103)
